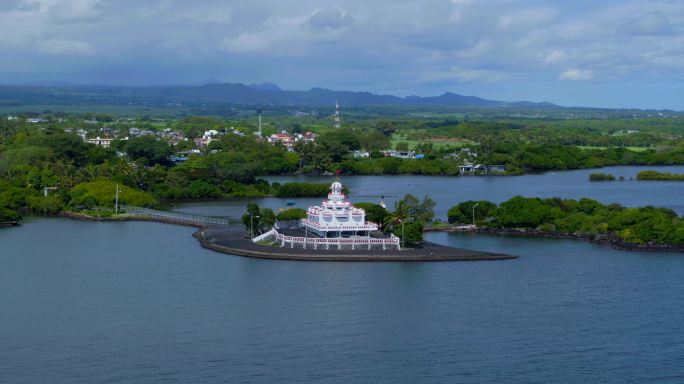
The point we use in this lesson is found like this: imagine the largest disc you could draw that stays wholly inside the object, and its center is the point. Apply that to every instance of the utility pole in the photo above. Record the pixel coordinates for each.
(251, 224)
(116, 200)
(475, 205)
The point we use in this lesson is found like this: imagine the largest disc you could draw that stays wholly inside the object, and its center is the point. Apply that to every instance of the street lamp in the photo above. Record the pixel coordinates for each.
(402, 233)
(475, 205)
(251, 223)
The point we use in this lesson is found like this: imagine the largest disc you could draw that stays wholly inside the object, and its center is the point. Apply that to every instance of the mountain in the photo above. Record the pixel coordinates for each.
(265, 87)
(238, 94)
(449, 98)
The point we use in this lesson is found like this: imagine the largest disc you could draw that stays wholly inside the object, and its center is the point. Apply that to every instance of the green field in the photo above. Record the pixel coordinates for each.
(635, 149)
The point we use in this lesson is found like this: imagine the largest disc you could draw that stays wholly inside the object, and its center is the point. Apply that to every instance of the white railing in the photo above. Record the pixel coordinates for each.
(265, 235)
(393, 240)
(368, 226)
(173, 216)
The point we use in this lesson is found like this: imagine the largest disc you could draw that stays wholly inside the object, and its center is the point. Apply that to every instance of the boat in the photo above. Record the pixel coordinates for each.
(290, 202)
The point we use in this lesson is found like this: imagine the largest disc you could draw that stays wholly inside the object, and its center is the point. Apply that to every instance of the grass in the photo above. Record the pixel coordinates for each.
(437, 142)
(635, 149)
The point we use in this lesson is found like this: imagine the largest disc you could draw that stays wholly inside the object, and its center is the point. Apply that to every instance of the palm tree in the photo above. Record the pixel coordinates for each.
(399, 214)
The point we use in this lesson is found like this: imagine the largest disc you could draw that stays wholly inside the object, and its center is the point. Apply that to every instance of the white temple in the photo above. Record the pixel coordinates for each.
(337, 223)
(337, 217)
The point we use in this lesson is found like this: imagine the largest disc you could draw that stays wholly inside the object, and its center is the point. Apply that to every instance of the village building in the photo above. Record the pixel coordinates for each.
(400, 154)
(481, 169)
(289, 141)
(104, 142)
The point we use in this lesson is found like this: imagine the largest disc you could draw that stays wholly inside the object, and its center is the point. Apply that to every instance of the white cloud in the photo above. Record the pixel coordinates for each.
(526, 18)
(329, 19)
(576, 75)
(556, 57)
(649, 24)
(70, 11)
(465, 75)
(65, 47)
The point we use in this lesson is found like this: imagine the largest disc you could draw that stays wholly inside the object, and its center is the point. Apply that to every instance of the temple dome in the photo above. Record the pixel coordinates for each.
(336, 187)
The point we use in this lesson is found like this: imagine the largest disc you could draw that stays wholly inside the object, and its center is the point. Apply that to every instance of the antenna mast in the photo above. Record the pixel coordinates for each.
(337, 115)
(259, 123)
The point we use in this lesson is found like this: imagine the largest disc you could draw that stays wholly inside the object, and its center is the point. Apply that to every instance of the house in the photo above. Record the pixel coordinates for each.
(104, 142)
(400, 154)
(481, 169)
(207, 138)
(361, 154)
(283, 138)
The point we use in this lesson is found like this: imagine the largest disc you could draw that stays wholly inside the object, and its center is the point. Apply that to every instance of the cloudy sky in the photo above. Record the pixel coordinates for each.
(610, 53)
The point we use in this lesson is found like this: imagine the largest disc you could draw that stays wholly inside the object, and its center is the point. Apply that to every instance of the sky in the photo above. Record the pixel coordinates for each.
(606, 53)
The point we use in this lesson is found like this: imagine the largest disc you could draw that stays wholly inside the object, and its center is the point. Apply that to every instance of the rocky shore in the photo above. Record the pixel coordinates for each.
(608, 240)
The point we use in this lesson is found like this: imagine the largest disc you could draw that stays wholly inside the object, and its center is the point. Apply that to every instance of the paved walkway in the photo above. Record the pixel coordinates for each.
(230, 240)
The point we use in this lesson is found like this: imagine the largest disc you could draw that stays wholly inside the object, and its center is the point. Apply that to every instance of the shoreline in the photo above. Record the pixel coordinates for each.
(612, 241)
(230, 240)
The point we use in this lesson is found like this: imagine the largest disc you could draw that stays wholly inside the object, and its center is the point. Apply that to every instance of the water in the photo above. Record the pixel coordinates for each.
(448, 191)
(85, 302)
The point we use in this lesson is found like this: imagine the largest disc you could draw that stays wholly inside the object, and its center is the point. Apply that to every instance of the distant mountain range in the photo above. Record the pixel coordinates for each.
(264, 94)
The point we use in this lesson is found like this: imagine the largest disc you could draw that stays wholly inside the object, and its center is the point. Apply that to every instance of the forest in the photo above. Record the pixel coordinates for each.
(585, 218)
(47, 167)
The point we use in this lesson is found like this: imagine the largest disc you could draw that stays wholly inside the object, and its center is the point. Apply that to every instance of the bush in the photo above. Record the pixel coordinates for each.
(103, 192)
(291, 214)
(412, 231)
(8, 215)
(298, 189)
(463, 212)
(655, 175)
(48, 205)
(601, 177)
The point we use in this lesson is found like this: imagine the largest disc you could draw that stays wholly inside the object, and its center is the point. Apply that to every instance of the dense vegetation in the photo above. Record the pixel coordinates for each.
(50, 154)
(585, 217)
(601, 177)
(655, 175)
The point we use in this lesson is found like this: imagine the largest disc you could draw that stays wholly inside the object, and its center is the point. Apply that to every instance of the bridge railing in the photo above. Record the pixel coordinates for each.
(174, 216)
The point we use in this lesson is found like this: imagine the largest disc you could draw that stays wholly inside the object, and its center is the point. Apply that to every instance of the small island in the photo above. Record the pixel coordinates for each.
(642, 228)
(659, 176)
(334, 231)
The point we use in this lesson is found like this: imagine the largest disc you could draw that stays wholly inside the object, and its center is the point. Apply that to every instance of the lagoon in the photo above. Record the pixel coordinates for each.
(448, 190)
(133, 302)
(87, 302)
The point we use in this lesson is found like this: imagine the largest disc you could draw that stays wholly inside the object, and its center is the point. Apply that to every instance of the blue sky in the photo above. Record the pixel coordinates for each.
(605, 53)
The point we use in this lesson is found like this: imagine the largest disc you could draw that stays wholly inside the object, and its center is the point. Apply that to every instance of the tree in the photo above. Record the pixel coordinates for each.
(463, 212)
(415, 210)
(374, 212)
(412, 232)
(149, 150)
(258, 220)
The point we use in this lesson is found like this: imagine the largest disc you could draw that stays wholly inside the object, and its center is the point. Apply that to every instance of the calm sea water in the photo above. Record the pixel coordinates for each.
(142, 302)
(448, 191)
(84, 302)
